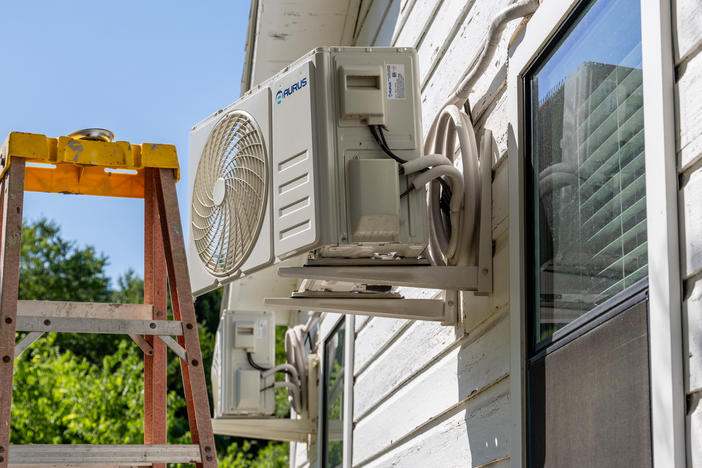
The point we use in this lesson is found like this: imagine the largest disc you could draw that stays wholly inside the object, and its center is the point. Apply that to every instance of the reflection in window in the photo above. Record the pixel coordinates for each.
(588, 194)
(334, 398)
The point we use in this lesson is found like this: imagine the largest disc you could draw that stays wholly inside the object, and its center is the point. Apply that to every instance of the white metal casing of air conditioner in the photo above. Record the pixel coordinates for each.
(236, 385)
(314, 119)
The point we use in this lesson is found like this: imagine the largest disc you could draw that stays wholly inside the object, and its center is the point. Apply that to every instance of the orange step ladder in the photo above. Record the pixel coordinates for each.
(90, 163)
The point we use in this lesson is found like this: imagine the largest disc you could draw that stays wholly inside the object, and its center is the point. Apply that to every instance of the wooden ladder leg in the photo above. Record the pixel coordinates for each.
(155, 290)
(12, 197)
(184, 309)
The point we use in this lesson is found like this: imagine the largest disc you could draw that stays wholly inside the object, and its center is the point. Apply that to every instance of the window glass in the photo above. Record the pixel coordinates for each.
(334, 398)
(587, 194)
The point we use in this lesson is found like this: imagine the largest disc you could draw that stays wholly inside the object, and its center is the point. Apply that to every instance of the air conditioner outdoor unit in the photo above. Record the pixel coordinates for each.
(244, 349)
(293, 167)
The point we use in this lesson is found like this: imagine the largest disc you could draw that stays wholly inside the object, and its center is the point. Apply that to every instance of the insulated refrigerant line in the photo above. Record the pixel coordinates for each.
(452, 240)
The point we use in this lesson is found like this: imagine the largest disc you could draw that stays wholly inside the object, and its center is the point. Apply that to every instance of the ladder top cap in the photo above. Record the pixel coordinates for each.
(76, 164)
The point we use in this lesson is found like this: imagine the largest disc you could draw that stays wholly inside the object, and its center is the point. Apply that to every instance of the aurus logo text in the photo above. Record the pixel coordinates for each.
(282, 94)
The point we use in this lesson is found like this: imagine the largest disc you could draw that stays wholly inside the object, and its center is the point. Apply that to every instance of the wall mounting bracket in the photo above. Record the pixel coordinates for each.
(464, 278)
(293, 430)
(435, 310)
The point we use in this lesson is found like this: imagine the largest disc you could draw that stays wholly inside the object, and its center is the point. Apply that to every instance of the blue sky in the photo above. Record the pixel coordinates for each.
(146, 70)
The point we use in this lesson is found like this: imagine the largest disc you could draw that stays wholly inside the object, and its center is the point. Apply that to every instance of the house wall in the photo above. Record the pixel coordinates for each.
(687, 22)
(423, 391)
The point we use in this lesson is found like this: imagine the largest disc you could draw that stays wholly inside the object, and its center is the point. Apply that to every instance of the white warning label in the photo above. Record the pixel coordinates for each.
(396, 80)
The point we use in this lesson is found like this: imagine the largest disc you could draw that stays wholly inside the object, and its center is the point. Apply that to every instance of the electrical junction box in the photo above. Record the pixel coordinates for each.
(288, 170)
(362, 93)
(236, 385)
(244, 335)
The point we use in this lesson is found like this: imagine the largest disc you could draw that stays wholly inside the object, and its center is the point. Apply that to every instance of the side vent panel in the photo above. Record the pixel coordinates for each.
(293, 163)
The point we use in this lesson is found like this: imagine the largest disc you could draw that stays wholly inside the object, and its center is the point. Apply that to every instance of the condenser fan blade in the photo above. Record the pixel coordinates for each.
(231, 185)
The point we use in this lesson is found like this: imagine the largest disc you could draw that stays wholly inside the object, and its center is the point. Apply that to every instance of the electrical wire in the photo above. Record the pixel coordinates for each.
(249, 357)
(382, 135)
(292, 389)
(380, 139)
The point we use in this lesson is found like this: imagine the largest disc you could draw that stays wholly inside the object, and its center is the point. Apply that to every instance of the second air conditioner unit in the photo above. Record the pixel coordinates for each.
(296, 166)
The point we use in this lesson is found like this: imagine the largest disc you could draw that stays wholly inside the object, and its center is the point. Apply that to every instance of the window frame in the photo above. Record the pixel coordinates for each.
(665, 316)
(347, 402)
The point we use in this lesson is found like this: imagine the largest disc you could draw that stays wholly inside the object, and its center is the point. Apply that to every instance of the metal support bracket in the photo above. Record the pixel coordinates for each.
(294, 430)
(435, 310)
(451, 302)
(464, 278)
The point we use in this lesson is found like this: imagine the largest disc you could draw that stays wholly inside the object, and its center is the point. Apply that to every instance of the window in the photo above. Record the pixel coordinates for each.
(333, 398)
(586, 194)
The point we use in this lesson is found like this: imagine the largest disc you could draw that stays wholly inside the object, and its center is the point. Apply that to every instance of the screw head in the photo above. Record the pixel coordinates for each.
(208, 457)
(194, 362)
(47, 322)
(6, 359)
(7, 320)
(159, 314)
(152, 325)
(208, 449)
(189, 326)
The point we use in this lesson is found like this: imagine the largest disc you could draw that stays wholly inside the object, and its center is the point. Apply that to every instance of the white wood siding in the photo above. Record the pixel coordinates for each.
(687, 16)
(426, 392)
(423, 391)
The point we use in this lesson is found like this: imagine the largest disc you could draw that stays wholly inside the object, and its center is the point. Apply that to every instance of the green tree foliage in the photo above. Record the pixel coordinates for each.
(77, 388)
(54, 269)
(60, 398)
(207, 309)
(272, 455)
(130, 289)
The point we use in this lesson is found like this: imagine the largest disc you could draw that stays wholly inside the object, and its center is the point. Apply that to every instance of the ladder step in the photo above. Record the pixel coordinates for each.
(122, 455)
(78, 465)
(91, 325)
(101, 310)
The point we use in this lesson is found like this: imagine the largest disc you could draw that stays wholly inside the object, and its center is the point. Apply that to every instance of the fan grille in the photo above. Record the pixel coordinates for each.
(230, 192)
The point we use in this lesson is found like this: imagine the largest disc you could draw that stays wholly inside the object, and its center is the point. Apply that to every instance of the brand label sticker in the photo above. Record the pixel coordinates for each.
(396, 80)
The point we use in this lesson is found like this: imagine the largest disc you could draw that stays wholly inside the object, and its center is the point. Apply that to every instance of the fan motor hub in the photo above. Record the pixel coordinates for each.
(219, 190)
